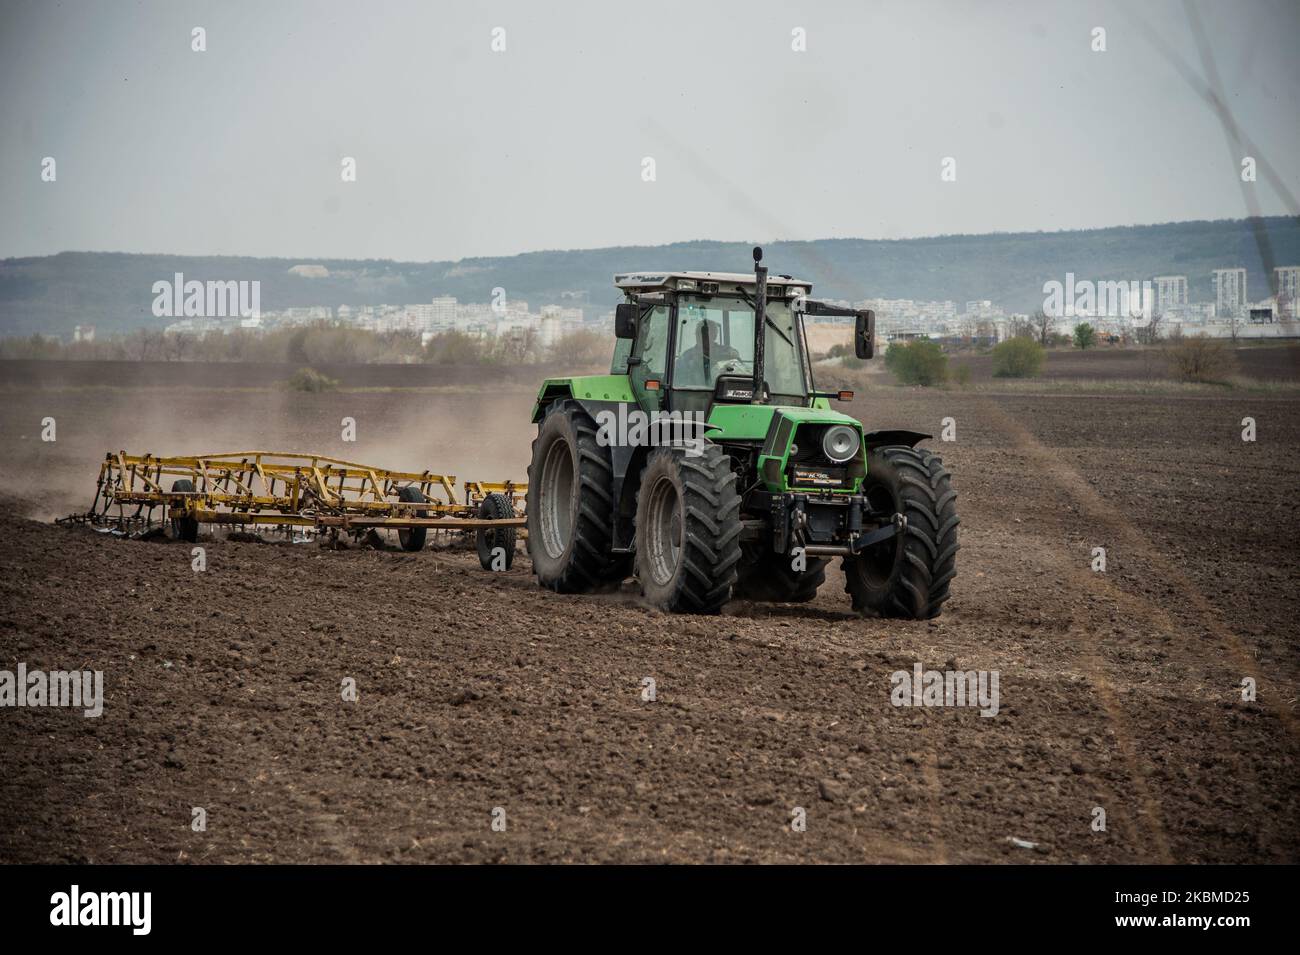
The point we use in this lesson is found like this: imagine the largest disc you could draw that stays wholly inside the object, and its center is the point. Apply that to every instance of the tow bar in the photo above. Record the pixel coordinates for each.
(895, 527)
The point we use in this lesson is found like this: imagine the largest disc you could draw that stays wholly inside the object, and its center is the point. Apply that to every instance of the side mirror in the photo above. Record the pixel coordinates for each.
(625, 315)
(864, 334)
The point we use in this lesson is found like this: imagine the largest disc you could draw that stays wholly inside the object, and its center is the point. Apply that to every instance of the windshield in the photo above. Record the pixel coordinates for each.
(715, 336)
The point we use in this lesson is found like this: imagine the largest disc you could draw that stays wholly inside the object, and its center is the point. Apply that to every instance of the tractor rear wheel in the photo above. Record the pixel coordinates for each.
(770, 577)
(185, 528)
(688, 530)
(908, 575)
(496, 507)
(412, 538)
(570, 503)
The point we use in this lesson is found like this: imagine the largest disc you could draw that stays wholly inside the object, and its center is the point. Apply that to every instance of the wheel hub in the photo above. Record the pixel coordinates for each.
(665, 531)
(556, 489)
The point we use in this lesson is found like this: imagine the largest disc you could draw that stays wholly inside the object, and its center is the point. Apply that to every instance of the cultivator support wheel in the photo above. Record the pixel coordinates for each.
(412, 538)
(496, 544)
(184, 526)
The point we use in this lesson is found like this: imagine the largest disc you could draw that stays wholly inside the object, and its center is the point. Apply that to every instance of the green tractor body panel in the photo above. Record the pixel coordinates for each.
(774, 426)
(615, 388)
(771, 426)
(752, 422)
(773, 458)
(741, 422)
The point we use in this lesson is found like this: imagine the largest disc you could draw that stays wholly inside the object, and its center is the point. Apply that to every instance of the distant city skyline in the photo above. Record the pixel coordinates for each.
(1115, 307)
(512, 128)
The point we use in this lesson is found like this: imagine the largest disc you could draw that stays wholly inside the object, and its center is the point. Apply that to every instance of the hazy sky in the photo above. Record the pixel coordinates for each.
(463, 151)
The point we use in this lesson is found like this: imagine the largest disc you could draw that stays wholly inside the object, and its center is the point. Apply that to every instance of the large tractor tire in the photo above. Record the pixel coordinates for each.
(496, 507)
(907, 576)
(412, 538)
(184, 528)
(688, 530)
(771, 577)
(571, 504)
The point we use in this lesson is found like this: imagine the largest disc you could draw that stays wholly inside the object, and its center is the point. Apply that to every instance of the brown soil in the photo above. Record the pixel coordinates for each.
(476, 690)
(1263, 362)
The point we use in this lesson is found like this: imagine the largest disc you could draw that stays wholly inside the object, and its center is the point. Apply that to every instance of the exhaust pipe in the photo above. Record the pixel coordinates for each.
(760, 324)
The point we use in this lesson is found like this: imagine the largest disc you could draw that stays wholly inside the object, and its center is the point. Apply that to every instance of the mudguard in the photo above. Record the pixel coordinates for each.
(878, 439)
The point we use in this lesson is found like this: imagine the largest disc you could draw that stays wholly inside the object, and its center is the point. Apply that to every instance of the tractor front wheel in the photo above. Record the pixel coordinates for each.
(908, 575)
(570, 503)
(688, 530)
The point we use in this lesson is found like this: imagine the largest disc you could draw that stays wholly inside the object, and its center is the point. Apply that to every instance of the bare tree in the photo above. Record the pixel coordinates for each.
(146, 344)
(1153, 327)
(1043, 325)
(1021, 326)
(1149, 333)
(177, 346)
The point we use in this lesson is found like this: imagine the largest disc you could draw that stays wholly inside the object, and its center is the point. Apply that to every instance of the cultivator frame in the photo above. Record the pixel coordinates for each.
(284, 489)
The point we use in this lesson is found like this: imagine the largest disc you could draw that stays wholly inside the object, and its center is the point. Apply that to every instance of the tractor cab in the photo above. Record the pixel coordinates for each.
(691, 340)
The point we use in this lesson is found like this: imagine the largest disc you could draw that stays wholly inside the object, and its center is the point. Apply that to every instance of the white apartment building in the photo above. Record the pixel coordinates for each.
(443, 311)
(1288, 290)
(1171, 292)
(1230, 293)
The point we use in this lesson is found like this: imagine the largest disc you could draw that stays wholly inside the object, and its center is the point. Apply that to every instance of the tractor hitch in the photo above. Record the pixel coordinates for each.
(895, 527)
(858, 544)
(822, 525)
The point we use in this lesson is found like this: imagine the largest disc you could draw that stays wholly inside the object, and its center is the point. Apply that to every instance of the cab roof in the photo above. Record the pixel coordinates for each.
(695, 281)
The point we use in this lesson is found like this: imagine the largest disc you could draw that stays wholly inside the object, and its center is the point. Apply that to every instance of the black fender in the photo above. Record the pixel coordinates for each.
(879, 439)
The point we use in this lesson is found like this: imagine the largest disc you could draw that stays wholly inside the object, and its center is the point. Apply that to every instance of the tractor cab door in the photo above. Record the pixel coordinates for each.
(714, 338)
(647, 366)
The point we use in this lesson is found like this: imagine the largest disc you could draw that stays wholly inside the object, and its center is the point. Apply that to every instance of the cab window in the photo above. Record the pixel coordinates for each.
(622, 351)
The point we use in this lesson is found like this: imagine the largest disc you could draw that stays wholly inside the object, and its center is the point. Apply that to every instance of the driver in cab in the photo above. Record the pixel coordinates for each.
(700, 364)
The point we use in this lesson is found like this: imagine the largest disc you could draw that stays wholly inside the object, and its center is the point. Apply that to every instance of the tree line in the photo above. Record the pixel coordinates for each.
(323, 343)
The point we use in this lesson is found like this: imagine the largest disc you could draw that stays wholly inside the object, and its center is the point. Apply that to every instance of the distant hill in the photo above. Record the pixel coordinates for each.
(113, 291)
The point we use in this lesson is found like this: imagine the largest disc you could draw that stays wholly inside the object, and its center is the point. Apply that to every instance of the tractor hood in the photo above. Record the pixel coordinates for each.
(791, 456)
(756, 422)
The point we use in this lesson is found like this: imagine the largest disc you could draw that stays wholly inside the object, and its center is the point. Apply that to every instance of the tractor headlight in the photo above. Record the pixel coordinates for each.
(840, 443)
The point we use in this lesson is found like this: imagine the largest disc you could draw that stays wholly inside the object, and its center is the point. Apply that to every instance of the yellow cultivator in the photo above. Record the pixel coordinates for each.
(248, 489)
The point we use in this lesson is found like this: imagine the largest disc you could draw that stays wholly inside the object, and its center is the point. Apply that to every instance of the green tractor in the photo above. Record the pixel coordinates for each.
(707, 464)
